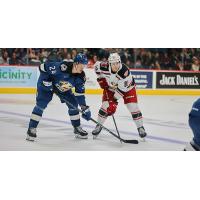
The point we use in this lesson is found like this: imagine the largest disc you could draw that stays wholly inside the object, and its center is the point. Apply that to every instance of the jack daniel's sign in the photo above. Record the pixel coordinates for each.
(189, 80)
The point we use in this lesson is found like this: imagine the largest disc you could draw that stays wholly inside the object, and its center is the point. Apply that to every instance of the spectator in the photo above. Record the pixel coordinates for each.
(195, 64)
(34, 57)
(149, 58)
(180, 66)
(92, 61)
(14, 60)
(68, 57)
(138, 63)
(43, 55)
(128, 63)
(157, 65)
(164, 61)
(74, 53)
(4, 59)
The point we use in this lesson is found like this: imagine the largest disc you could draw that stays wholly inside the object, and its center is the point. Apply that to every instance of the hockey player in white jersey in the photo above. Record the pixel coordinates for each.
(117, 82)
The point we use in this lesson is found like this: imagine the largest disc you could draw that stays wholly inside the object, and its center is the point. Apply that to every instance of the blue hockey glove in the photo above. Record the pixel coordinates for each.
(86, 112)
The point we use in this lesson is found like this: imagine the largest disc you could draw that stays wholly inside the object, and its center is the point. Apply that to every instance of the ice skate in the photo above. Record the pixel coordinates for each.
(31, 134)
(192, 146)
(142, 133)
(80, 133)
(96, 131)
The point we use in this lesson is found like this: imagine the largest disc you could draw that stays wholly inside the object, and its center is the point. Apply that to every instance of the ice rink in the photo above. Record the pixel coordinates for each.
(165, 120)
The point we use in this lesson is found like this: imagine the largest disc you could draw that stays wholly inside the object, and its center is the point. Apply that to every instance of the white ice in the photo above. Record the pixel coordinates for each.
(165, 120)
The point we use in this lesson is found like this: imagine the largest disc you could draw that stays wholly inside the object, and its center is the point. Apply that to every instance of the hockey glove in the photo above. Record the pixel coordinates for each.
(103, 83)
(86, 112)
(112, 107)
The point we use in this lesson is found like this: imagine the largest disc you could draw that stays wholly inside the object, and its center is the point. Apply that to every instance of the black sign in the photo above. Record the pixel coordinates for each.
(185, 80)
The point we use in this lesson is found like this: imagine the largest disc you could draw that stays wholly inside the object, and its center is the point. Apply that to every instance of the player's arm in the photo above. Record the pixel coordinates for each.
(98, 67)
(80, 89)
(80, 95)
(125, 83)
(195, 111)
(44, 80)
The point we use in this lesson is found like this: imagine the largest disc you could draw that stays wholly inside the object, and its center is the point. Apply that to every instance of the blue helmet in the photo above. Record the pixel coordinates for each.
(81, 58)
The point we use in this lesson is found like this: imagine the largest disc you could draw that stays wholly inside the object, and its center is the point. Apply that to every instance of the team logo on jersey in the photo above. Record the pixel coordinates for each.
(64, 86)
(127, 84)
(63, 67)
(104, 64)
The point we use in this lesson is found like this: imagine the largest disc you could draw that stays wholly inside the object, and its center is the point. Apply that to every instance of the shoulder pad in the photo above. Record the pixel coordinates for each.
(124, 71)
(66, 66)
(104, 66)
(42, 67)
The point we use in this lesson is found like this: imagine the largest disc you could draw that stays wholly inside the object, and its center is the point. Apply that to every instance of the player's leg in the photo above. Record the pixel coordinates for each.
(102, 115)
(75, 118)
(130, 100)
(194, 145)
(42, 99)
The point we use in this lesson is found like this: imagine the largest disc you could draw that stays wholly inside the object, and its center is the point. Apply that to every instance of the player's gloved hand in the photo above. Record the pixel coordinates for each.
(103, 83)
(86, 112)
(112, 107)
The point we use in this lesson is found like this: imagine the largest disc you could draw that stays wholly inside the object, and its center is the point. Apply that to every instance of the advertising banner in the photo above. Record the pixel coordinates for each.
(178, 80)
(143, 79)
(16, 76)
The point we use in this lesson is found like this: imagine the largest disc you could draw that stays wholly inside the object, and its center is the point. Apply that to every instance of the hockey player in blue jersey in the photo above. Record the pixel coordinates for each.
(194, 122)
(60, 77)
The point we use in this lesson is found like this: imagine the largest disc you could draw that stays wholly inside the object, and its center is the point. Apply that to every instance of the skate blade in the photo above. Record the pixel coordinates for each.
(29, 138)
(81, 137)
(95, 137)
(142, 139)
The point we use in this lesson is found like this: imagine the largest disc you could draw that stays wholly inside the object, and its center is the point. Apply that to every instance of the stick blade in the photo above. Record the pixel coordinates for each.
(131, 141)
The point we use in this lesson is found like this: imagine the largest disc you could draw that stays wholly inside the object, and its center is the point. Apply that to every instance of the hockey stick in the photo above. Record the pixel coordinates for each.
(123, 140)
(116, 127)
(114, 119)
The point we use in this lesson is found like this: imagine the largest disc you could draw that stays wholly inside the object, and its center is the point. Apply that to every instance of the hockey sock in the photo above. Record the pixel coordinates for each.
(102, 116)
(137, 117)
(35, 117)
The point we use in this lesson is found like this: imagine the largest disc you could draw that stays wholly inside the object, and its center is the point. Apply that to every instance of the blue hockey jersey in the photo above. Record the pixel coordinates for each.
(58, 76)
(195, 109)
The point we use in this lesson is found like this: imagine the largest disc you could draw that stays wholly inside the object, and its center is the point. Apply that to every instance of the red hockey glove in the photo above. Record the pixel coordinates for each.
(112, 107)
(103, 83)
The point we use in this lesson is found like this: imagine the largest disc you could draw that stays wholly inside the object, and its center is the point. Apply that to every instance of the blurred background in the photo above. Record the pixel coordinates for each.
(135, 58)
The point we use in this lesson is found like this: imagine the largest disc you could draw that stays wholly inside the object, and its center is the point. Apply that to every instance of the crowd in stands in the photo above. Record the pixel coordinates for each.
(136, 58)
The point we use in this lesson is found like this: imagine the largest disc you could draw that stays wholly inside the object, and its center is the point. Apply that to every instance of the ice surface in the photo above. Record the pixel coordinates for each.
(165, 120)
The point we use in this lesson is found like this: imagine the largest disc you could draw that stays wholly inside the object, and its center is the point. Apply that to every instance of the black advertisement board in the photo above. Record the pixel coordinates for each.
(177, 80)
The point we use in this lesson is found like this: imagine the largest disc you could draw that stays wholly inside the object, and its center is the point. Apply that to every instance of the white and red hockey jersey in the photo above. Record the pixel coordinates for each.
(120, 82)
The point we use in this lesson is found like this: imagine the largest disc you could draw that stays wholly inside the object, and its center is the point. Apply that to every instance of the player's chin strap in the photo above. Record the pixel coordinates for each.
(103, 127)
